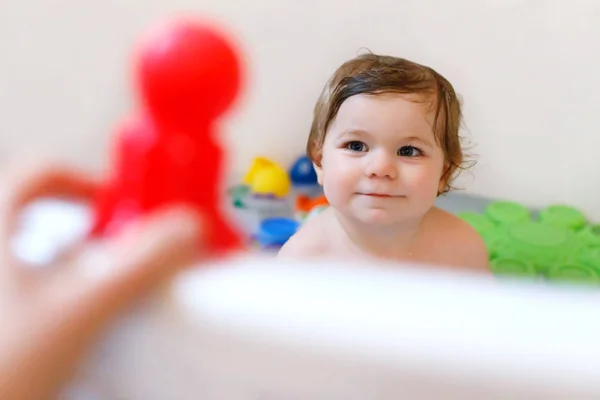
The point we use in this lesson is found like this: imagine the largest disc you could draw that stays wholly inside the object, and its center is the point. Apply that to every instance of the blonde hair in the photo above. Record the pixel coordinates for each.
(376, 74)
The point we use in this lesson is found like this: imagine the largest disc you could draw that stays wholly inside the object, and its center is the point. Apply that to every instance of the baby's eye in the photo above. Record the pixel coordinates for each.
(356, 146)
(409, 151)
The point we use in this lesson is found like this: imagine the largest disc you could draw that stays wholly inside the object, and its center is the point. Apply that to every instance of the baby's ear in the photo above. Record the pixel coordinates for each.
(317, 158)
(444, 178)
(316, 155)
(319, 171)
(442, 185)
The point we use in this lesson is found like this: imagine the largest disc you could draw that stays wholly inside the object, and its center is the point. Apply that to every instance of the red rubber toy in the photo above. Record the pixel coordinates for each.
(187, 75)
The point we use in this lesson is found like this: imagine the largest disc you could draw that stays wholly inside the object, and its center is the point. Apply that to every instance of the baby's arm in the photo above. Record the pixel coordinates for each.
(293, 248)
(307, 242)
(463, 246)
(469, 248)
(475, 255)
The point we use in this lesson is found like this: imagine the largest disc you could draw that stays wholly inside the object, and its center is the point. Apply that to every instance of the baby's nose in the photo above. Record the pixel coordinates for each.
(382, 166)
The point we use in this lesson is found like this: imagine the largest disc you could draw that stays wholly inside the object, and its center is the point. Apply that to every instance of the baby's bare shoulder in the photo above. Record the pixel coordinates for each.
(461, 244)
(310, 240)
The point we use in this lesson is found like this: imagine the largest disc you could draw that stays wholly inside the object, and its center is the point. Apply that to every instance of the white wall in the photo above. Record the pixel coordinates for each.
(527, 70)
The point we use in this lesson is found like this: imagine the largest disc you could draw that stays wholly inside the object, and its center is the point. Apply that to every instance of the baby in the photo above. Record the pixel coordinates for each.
(385, 143)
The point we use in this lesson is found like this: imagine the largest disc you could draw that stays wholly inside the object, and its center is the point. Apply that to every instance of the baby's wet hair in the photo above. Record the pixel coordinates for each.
(377, 74)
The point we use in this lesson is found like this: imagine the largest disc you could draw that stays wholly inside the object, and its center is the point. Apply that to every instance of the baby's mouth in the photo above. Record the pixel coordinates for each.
(379, 195)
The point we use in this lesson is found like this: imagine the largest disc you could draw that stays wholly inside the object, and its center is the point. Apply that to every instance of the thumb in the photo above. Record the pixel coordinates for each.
(108, 276)
(72, 308)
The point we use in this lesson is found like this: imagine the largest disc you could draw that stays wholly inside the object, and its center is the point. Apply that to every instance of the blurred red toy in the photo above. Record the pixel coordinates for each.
(187, 75)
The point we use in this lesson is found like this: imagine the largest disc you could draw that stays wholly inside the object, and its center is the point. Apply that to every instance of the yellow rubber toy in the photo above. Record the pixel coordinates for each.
(265, 177)
(258, 164)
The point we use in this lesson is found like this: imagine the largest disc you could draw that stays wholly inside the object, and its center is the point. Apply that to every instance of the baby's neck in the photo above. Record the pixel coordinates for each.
(394, 241)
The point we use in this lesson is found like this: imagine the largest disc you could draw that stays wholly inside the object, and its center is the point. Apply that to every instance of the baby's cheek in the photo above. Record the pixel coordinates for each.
(332, 187)
(337, 188)
(423, 179)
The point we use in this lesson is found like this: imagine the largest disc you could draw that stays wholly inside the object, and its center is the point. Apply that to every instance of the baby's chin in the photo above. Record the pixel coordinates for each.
(384, 217)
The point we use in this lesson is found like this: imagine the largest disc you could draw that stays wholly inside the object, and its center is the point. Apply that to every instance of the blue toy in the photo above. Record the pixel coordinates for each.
(302, 172)
(274, 232)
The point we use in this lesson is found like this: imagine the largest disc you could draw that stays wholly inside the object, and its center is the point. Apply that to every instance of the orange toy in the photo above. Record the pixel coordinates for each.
(305, 204)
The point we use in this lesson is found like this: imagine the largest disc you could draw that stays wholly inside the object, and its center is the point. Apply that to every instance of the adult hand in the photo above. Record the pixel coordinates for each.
(50, 318)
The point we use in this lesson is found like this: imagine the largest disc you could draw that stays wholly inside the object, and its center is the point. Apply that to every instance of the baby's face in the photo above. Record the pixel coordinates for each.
(380, 161)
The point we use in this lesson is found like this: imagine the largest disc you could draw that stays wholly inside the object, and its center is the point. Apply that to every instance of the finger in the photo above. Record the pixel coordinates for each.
(77, 304)
(105, 279)
(23, 184)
